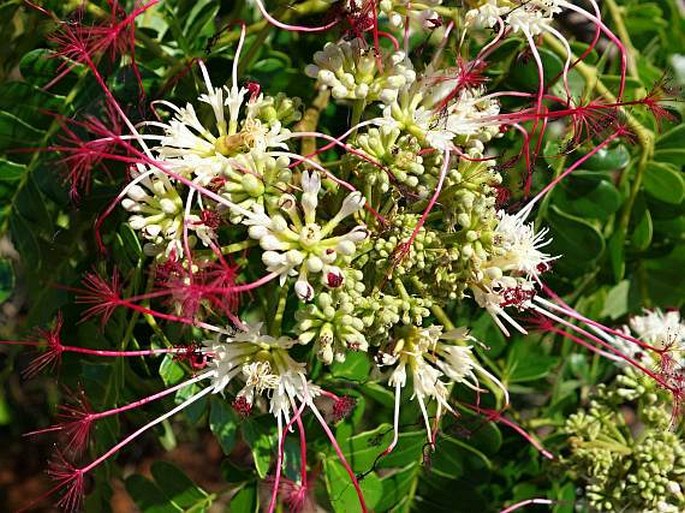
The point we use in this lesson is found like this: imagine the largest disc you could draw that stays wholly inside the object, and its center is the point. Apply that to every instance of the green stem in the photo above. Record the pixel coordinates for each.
(401, 290)
(256, 45)
(538, 423)
(414, 486)
(357, 111)
(152, 322)
(544, 204)
(238, 246)
(614, 447)
(441, 316)
(149, 283)
(368, 192)
(310, 121)
(280, 310)
(231, 37)
(624, 220)
(645, 136)
(624, 36)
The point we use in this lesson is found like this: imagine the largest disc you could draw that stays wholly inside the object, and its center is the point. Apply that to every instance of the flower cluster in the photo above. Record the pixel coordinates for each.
(432, 359)
(300, 246)
(662, 331)
(287, 263)
(352, 72)
(532, 18)
(262, 362)
(420, 14)
(509, 276)
(441, 112)
(626, 465)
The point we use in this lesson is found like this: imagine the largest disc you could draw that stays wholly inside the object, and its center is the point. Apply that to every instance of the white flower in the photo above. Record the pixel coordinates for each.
(532, 17)
(486, 15)
(258, 379)
(631, 350)
(660, 330)
(205, 169)
(184, 133)
(426, 111)
(420, 14)
(509, 276)
(157, 210)
(458, 363)
(665, 507)
(158, 213)
(433, 359)
(351, 71)
(185, 136)
(302, 246)
(494, 292)
(519, 246)
(264, 366)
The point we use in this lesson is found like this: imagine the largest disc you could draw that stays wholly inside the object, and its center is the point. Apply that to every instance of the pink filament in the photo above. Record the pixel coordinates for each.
(526, 502)
(291, 28)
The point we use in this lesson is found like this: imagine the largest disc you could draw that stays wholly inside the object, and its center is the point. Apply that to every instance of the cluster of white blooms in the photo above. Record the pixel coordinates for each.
(509, 276)
(235, 154)
(303, 246)
(185, 135)
(429, 356)
(263, 364)
(244, 161)
(660, 331)
(419, 13)
(157, 212)
(532, 17)
(426, 110)
(352, 72)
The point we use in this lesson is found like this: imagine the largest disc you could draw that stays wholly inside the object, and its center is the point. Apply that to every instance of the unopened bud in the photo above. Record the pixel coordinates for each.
(304, 290)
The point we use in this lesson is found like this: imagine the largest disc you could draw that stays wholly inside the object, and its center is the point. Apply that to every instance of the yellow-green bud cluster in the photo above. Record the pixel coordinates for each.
(255, 179)
(629, 454)
(469, 197)
(350, 69)
(385, 311)
(392, 257)
(398, 156)
(470, 213)
(346, 319)
(332, 320)
(279, 108)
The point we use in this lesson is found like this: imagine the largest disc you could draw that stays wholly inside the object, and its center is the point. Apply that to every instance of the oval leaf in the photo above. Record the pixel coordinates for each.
(578, 242)
(664, 182)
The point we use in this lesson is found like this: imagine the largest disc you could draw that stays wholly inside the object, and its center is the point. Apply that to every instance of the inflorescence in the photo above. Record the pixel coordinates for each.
(370, 252)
